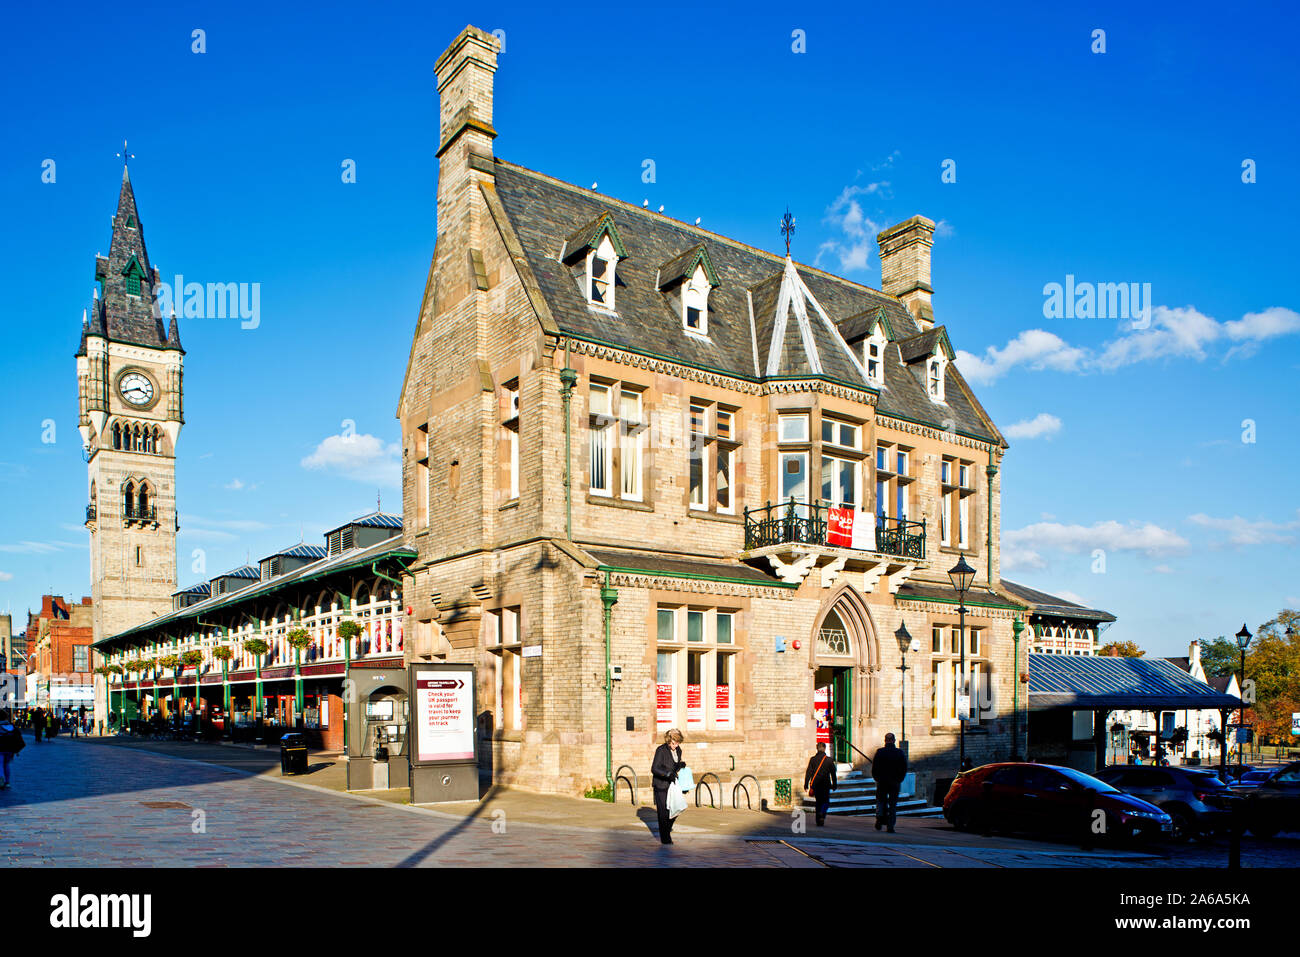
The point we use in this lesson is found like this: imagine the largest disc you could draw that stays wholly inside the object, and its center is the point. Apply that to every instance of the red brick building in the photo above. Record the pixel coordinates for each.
(59, 654)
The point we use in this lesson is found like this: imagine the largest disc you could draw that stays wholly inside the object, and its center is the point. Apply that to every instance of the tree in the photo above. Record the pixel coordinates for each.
(1273, 667)
(1219, 656)
(1122, 649)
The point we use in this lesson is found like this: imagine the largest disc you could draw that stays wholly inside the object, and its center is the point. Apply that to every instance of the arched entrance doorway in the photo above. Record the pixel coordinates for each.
(844, 659)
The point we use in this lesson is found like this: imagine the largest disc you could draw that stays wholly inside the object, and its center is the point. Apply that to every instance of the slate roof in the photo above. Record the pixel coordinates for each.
(115, 314)
(1052, 605)
(1219, 683)
(545, 213)
(373, 520)
(1141, 684)
(301, 550)
(978, 595)
(202, 588)
(654, 564)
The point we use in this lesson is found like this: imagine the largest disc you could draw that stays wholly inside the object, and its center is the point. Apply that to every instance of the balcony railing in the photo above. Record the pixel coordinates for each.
(797, 523)
(90, 514)
(136, 514)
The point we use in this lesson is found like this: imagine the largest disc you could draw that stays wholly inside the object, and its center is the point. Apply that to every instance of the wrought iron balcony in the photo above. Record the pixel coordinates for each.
(797, 523)
(90, 514)
(136, 514)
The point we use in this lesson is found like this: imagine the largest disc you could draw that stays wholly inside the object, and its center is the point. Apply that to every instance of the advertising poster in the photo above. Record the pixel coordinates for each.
(822, 714)
(443, 714)
(694, 707)
(722, 716)
(839, 527)
(664, 694)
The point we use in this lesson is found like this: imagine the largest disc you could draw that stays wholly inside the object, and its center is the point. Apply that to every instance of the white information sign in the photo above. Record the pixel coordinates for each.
(444, 715)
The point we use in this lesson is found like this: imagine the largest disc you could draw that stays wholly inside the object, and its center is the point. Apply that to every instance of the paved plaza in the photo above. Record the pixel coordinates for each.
(122, 803)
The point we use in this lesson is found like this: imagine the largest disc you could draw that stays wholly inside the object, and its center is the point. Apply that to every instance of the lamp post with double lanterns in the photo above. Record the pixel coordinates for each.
(961, 576)
(906, 643)
(1243, 642)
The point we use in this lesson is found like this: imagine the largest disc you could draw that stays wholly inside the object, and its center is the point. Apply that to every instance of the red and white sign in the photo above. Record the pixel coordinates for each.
(444, 715)
(694, 707)
(839, 527)
(822, 713)
(722, 716)
(665, 705)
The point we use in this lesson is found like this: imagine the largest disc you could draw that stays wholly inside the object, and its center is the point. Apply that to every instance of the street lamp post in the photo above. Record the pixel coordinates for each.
(1243, 642)
(1017, 626)
(905, 643)
(961, 576)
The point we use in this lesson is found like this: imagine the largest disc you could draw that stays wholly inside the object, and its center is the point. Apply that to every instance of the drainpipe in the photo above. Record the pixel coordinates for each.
(1017, 626)
(608, 599)
(990, 471)
(568, 379)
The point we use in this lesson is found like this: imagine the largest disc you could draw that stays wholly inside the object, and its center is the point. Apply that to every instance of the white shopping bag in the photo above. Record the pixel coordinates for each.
(676, 801)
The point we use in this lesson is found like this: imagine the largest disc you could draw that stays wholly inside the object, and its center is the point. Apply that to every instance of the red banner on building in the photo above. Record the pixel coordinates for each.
(694, 706)
(722, 707)
(822, 713)
(839, 527)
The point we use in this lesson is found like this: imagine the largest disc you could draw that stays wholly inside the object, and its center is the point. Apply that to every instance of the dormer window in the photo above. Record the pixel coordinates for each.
(874, 357)
(934, 375)
(695, 302)
(601, 265)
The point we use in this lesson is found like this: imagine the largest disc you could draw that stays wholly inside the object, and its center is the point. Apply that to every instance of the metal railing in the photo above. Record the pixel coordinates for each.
(91, 512)
(136, 514)
(799, 523)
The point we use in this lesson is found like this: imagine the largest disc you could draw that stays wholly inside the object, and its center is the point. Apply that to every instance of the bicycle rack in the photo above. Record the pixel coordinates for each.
(741, 784)
(701, 783)
(631, 783)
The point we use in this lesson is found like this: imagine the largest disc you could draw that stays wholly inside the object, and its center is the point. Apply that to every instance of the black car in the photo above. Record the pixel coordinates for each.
(1194, 797)
(1274, 804)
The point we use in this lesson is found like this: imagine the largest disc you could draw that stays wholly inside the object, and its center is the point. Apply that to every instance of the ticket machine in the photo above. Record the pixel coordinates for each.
(377, 730)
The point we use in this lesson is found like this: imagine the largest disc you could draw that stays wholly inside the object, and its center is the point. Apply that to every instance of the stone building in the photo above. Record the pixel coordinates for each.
(130, 415)
(749, 473)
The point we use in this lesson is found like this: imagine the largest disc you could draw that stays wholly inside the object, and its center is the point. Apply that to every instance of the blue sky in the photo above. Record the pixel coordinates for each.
(1122, 166)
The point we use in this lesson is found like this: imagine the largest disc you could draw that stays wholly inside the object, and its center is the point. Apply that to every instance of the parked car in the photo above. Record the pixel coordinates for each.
(1194, 798)
(1274, 804)
(1047, 798)
(1235, 771)
(1251, 779)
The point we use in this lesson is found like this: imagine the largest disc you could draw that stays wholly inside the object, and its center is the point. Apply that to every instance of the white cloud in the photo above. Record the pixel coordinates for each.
(364, 458)
(1242, 531)
(41, 548)
(1034, 348)
(859, 231)
(1163, 570)
(1041, 426)
(234, 485)
(1144, 537)
(944, 230)
(231, 524)
(6, 576)
(1071, 596)
(1178, 333)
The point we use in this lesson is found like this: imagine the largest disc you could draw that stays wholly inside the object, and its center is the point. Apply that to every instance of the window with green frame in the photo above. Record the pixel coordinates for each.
(133, 285)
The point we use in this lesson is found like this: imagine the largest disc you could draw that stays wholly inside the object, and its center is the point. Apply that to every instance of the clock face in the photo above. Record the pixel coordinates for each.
(136, 389)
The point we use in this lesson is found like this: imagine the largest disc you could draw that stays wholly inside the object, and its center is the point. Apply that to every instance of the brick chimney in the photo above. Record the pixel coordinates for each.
(905, 266)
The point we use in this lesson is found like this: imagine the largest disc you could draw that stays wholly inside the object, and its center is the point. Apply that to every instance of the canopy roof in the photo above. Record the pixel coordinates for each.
(1111, 683)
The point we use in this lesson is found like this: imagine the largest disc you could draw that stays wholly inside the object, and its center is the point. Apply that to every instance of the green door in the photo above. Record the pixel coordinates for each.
(841, 709)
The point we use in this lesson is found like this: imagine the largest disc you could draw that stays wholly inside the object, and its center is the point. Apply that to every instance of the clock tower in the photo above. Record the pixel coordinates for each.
(129, 397)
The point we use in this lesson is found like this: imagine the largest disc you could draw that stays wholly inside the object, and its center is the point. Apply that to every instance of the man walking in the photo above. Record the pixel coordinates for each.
(38, 723)
(888, 768)
(819, 781)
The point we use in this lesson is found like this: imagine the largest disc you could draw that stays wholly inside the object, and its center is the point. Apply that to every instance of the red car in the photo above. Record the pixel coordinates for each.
(1046, 798)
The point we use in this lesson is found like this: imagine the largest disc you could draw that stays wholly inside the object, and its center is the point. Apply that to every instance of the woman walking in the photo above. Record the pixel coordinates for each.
(667, 762)
(11, 742)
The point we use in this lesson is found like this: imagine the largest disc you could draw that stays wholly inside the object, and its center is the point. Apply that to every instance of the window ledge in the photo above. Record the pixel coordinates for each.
(716, 516)
(513, 503)
(619, 503)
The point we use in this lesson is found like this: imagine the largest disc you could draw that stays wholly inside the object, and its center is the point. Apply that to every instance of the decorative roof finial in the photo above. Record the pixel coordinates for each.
(379, 502)
(126, 157)
(787, 229)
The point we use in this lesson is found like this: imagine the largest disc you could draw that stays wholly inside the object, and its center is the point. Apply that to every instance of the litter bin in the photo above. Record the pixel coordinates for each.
(293, 754)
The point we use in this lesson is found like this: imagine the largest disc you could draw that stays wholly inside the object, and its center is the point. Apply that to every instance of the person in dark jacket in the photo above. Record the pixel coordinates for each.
(819, 781)
(667, 762)
(38, 723)
(888, 768)
(11, 742)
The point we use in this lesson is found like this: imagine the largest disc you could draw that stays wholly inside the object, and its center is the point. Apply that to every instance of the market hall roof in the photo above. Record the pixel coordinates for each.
(549, 217)
(1113, 683)
(1053, 606)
